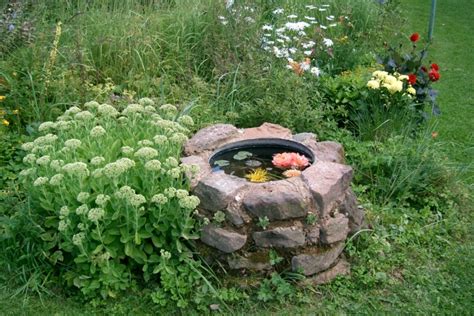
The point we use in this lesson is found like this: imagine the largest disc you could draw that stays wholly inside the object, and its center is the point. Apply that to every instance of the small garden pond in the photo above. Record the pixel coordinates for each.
(262, 160)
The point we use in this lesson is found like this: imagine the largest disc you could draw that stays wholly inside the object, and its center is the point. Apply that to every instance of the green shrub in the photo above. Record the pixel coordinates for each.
(107, 191)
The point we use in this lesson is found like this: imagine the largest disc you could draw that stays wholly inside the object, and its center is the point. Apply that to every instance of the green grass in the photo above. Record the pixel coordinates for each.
(429, 266)
(452, 50)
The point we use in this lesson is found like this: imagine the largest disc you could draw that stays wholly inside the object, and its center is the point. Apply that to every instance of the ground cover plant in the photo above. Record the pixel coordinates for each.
(311, 66)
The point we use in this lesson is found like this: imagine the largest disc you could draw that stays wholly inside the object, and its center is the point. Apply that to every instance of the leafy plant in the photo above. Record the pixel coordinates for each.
(311, 218)
(263, 222)
(219, 217)
(106, 216)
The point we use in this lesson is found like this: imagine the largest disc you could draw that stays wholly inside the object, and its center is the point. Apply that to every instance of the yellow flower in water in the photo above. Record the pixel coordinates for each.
(258, 175)
(5, 122)
(2, 97)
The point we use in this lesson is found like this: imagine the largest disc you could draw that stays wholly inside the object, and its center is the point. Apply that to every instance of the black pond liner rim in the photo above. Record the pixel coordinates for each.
(284, 144)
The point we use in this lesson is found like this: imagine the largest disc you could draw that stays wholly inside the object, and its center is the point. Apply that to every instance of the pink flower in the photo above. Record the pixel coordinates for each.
(290, 161)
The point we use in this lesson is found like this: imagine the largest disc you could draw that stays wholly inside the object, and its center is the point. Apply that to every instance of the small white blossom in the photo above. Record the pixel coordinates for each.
(181, 194)
(56, 179)
(63, 125)
(186, 120)
(169, 108)
(292, 16)
(28, 146)
(43, 161)
(189, 202)
(278, 11)
(136, 200)
(91, 105)
(178, 138)
(29, 159)
(296, 26)
(328, 42)
(159, 198)
(97, 131)
(146, 153)
(107, 110)
(72, 110)
(153, 165)
(174, 173)
(97, 160)
(145, 142)
(102, 199)
(82, 210)
(46, 126)
(84, 116)
(78, 238)
(27, 172)
(76, 168)
(72, 143)
(171, 162)
(170, 192)
(40, 181)
(315, 71)
(127, 150)
(45, 140)
(133, 109)
(56, 164)
(146, 101)
(63, 225)
(96, 214)
(63, 212)
(267, 27)
(82, 197)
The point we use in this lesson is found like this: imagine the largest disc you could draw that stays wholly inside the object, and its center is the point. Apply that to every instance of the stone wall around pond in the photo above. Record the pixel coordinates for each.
(310, 216)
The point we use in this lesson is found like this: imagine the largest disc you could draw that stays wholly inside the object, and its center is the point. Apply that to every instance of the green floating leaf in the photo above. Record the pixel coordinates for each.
(222, 163)
(241, 155)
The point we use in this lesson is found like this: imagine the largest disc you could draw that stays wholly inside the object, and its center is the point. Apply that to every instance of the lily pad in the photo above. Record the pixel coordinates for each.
(242, 155)
(222, 163)
(253, 163)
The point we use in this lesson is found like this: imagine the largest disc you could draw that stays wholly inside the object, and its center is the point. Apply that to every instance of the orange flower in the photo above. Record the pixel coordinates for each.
(291, 173)
(290, 161)
(299, 68)
(434, 134)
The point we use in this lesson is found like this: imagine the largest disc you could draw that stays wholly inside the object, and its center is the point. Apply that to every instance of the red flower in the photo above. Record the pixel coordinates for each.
(434, 75)
(412, 79)
(414, 37)
(423, 68)
(435, 67)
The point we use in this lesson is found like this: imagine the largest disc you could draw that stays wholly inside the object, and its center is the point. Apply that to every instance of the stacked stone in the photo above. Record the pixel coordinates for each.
(323, 190)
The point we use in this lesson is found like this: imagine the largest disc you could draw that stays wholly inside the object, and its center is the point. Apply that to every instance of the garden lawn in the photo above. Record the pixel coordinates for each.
(420, 279)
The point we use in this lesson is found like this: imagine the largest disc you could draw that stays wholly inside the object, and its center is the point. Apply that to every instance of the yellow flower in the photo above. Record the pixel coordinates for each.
(258, 175)
(411, 90)
(5, 122)
(2, 97)
(373, 84)
(16, 111)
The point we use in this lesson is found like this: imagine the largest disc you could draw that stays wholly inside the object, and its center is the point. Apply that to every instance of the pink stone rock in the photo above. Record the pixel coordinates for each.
(225, 240)
(327, 151)
(279, 200)
(342, 267)
(327, 182)
(334, 229)
(285, 237)
(313, 263)
(210, 138)
(266, 130)
(217, 190)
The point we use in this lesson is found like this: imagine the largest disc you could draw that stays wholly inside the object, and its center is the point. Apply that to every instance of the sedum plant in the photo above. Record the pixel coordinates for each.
(109, 194)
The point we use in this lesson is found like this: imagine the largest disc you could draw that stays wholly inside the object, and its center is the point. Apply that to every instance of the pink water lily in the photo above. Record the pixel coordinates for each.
(290, 161)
